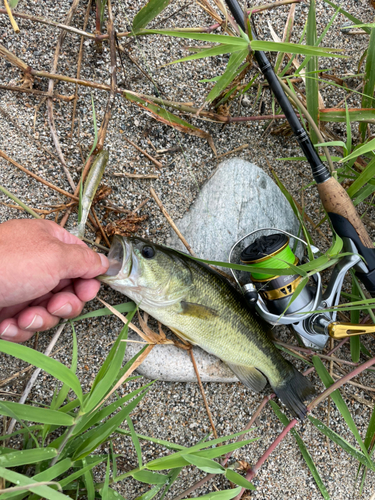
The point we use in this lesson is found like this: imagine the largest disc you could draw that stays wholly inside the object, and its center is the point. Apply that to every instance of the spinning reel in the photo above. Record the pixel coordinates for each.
(271, 294)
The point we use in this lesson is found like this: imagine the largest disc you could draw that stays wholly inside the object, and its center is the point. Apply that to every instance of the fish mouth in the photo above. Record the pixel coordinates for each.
(120, 259)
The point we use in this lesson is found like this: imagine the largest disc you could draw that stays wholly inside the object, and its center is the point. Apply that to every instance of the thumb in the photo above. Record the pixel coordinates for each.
(79, 261)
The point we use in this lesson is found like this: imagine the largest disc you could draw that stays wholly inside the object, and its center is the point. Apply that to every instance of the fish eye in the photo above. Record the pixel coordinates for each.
(148, 252)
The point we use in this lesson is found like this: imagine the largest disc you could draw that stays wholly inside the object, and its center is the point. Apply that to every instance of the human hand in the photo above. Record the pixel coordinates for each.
(46, 274)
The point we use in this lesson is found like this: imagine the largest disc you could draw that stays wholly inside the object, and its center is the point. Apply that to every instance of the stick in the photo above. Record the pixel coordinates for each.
(26, 90)
(100, 227)
(138, 176)
(40, 179)
(203, 393)
(51, 84)
(154, 161)
(169, 219)
(11, 18)
(235, 150)
(80, 56)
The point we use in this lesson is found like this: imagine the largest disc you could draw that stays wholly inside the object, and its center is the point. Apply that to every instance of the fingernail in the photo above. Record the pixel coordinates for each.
(104, 259)
(63, 311)
(9, 332)
(37, 322)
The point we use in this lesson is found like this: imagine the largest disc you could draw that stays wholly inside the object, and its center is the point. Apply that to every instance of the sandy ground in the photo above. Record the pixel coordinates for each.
(172, 411)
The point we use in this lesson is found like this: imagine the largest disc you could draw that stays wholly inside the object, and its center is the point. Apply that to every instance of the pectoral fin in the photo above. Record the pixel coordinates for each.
(197, 310)
(249, 376)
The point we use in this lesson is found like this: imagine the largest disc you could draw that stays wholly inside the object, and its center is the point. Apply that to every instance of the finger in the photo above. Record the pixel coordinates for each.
(36, 319)
(79, 261)
(61, 285)
(10, 311)
(86, 289)
(10, 331)
(65, 304)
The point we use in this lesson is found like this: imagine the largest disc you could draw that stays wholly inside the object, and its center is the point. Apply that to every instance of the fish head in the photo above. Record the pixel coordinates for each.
(148, 273)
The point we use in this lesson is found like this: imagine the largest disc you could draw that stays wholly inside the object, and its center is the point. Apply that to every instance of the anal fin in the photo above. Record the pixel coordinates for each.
(249, 376)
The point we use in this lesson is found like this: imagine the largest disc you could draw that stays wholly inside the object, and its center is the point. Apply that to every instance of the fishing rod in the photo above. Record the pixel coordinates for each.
(337, 203)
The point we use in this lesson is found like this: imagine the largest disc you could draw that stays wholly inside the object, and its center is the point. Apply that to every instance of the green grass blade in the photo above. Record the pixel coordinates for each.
(48, 475)
(150, 494)
(336, 438)
(148, 13)
(111, 355)
(162, 442)
(305, 453)
(368, 147)
(236, 478)
(105, 378)
(59, 400)
(148, 477)
(312, 86)
(49, 365)
(226, 78)
(114, 495)
(104, 490)
(355, 20)
(222, 495)
(135, 440)
(103, 431)
(340, 115)
(341, 406)
(26, 430)
(211, 52)
(177, 460)
(35, 414)
(64, 483)
(366, 175)
(369, 81)
(89, 483)
(104, 311)
(224, 39)
(204, 464)
(172, 478)
(99, 415)
(21, 480)
(24, 457)
(295, 48)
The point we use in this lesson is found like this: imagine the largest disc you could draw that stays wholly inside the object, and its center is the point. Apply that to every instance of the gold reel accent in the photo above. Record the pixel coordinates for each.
(338, 330)
(280, 293)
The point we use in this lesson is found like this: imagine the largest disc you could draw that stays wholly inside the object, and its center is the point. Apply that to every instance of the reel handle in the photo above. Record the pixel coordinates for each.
(339, 331)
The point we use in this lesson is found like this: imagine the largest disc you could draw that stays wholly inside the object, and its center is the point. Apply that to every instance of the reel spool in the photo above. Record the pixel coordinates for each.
(273, 252)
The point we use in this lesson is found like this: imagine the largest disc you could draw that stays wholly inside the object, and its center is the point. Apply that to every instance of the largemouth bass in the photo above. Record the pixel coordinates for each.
(199, 305)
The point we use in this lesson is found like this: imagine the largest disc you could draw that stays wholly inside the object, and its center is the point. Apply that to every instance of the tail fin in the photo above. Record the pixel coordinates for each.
(294, 391)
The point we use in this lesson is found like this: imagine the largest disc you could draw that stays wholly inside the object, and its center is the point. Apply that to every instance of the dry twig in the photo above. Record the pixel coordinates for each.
(170, 220)
(203, 393)
(51, 84)
(151, 158)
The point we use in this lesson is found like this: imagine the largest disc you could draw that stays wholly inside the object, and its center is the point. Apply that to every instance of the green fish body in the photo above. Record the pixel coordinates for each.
(199, 305)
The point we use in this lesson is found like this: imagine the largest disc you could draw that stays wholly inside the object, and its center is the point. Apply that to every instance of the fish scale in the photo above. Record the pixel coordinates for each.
(201, 306)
